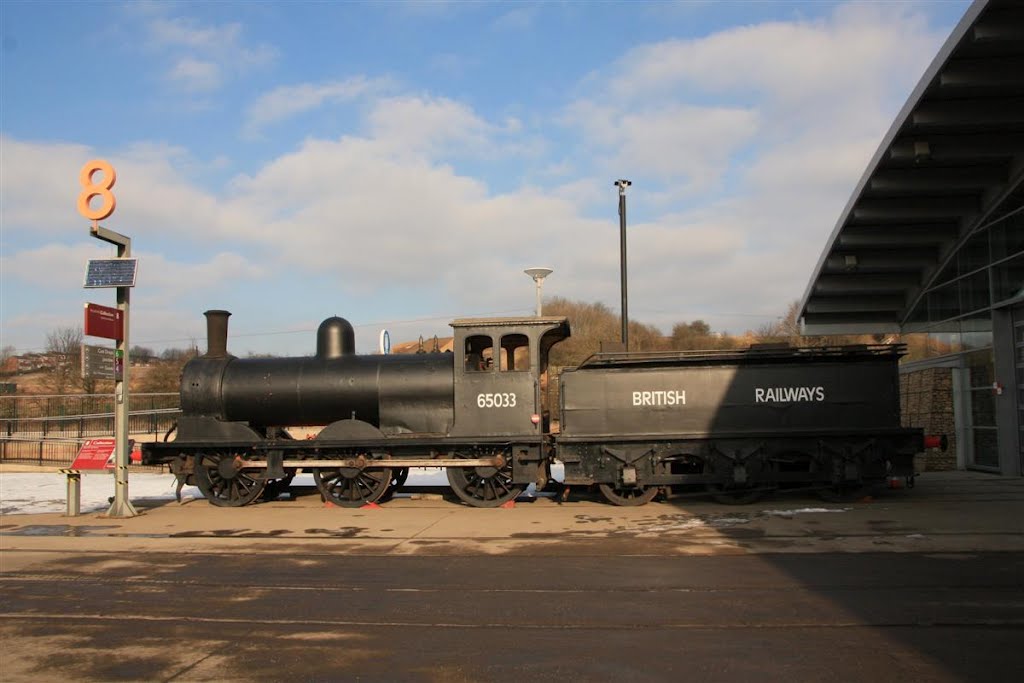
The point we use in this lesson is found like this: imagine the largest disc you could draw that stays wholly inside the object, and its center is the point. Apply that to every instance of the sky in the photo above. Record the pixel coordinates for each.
(401, 163)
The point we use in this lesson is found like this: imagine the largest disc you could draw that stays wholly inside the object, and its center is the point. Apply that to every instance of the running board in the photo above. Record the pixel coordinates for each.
(363, 463)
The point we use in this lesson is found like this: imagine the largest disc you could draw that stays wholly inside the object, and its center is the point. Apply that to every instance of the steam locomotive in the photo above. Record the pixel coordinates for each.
(734, 424)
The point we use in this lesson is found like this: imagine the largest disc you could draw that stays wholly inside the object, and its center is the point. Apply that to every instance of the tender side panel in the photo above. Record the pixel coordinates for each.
(731, 399)
(775, 420)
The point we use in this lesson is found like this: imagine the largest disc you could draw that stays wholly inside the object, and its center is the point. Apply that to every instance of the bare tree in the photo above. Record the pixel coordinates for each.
(788, 329)
(6, 354)
(165, 375)
(64, 346)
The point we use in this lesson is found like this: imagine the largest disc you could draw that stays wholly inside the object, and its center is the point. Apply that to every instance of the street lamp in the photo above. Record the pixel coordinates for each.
(538, 275)
(622, 184)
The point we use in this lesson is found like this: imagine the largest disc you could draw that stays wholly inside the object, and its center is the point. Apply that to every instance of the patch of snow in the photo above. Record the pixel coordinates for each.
(801, 511)
(41, 492)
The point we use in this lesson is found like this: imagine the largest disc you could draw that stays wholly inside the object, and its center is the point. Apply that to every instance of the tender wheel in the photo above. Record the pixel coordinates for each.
(628, 496)
(855, 482)
(483, 487)
(737, 495)
(760, 476)
(352, 487)
(223, 483)
(846, 492)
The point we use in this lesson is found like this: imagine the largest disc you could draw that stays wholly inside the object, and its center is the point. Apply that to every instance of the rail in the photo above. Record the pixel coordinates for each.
(756, 353)
(22, 406)
(53, 452)
(154, 422)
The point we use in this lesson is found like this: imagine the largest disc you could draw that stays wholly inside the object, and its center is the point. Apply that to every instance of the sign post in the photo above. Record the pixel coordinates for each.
(97, 361)
(120, 275)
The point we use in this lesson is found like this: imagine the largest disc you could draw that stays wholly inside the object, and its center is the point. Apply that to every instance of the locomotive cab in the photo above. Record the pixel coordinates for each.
(498, 368)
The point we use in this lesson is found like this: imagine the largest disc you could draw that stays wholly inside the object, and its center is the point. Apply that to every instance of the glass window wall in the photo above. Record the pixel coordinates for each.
(955, 315)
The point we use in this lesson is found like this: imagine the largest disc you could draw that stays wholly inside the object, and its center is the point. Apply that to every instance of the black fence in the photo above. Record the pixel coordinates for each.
(49, 452)
(49, 430)
(83, 416)
(39, 451)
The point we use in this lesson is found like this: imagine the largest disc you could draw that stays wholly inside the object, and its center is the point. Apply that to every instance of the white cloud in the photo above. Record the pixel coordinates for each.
(673, 142)
(202, 56)
(196, 75)
(520, 18)
(785, 60)
(418, 124)
(225, 40)
(182, 32)
(838, 78)
(287, 101)
(40, 187)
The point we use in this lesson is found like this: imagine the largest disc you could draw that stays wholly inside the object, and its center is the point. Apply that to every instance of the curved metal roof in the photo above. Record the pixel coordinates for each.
(952, 160)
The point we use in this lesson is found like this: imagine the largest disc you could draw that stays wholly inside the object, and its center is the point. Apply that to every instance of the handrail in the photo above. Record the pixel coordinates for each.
(767, 351)
(91, 416)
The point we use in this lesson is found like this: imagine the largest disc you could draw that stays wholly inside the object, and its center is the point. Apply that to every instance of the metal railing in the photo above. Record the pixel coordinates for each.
(50, 429)
(83, 415)
(155, 422)
(39, 451)
(53, 452)
(63, 405)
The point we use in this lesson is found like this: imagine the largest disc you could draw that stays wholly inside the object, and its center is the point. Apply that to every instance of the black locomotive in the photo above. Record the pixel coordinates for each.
(735, 424)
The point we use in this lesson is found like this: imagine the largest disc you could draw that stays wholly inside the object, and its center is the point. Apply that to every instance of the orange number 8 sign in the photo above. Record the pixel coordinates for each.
(101, 190)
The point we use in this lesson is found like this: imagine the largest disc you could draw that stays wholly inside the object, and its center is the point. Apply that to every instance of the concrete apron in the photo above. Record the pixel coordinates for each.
(947, 512)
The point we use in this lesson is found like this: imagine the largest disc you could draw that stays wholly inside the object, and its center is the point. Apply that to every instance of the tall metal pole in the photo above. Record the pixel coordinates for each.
(122, 504)
(622, 184)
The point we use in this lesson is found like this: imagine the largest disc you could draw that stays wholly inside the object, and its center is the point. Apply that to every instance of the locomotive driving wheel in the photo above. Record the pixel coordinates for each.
(224, 483)
(628, 496)
(484, 487)
(398, 477)
(275, 487)
(352, 487)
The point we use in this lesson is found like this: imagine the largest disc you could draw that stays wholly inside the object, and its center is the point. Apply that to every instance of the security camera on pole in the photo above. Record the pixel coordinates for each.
(117, 273)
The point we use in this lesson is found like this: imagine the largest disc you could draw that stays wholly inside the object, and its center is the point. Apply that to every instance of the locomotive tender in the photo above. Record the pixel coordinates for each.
(736, 424)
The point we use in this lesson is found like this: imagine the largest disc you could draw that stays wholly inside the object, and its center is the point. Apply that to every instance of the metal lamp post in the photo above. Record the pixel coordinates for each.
(538, 275)
(622, 184)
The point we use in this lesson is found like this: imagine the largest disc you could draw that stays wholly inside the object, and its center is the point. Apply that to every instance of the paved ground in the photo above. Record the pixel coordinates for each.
(923, 584)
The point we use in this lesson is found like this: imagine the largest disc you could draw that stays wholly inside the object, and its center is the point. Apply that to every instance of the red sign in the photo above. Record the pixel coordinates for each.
(103, 321)
(98, 454)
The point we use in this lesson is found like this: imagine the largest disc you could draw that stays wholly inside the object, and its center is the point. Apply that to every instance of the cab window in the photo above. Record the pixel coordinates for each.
(479, 353)
(515, 353)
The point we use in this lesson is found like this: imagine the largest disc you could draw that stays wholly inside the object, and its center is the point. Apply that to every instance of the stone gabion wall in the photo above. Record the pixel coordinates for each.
(926, 401)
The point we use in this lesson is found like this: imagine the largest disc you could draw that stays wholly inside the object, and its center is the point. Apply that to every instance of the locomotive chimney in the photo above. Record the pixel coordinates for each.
(335, 338)
(217, 333)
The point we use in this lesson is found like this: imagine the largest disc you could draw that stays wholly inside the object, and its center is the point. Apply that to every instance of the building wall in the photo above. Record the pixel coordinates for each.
(926, 401)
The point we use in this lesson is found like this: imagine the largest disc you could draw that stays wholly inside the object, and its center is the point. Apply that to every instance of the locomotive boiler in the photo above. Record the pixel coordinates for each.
(732, 424)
